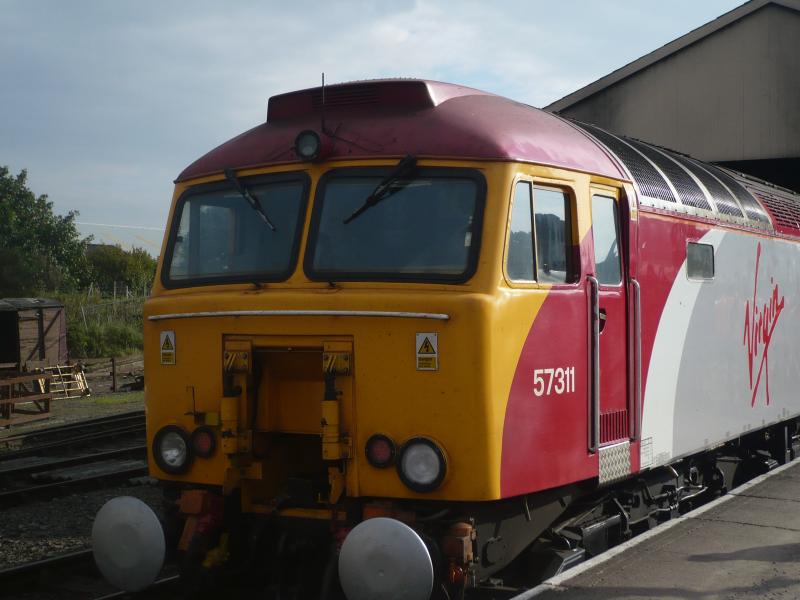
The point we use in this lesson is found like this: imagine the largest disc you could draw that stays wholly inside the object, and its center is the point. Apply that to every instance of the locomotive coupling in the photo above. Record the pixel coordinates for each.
(384, 559)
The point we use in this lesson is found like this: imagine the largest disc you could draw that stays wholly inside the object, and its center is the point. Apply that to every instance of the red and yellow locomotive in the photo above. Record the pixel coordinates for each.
(415, 338)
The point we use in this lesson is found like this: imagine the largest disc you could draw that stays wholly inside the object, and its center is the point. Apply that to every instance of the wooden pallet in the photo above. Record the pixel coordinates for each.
(67, 381)
(21, 401)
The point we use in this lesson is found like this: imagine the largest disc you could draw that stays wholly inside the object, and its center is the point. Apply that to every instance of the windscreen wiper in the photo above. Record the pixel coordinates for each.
(251, 198)
(386, 187)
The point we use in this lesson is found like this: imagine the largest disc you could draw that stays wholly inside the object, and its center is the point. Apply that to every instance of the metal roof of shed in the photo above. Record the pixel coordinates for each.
(18, 304)
(668, 49)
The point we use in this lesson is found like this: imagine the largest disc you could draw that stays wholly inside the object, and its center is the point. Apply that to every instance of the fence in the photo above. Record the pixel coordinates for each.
(100, 325)
(124, 310)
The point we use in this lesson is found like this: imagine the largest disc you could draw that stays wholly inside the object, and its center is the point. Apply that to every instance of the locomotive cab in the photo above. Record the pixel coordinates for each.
(371, 353)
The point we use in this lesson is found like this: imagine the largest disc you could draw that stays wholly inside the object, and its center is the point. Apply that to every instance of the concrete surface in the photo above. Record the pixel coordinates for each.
(744, 545)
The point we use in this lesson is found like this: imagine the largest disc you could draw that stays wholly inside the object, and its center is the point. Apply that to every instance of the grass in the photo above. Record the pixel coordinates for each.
(118, 398)
(99, 327)
(108, 399)
(103, 339)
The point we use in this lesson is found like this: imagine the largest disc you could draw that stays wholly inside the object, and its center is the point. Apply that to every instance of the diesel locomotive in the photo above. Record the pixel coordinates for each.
(413, 340)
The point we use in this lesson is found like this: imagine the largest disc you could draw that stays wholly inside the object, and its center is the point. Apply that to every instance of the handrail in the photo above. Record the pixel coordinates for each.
(637, 360)
(302, 313)
(594, 363)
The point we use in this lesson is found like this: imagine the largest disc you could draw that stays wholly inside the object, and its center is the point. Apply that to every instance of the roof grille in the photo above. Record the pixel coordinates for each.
(751, 207)
(650, 182)
(688, 191)
(401, 94)
(784, 209)
(345, 96)
(726, 204)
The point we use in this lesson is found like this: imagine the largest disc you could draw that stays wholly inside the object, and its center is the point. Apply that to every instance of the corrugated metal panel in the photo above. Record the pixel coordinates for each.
(613, 426)
(785, 210)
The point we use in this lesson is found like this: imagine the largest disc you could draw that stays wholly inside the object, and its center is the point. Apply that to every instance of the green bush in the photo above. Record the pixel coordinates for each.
(103, 339)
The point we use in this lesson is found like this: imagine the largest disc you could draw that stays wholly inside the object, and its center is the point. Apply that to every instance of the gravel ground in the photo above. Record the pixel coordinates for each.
(64, 524)
(40, 529)
(75, 410)
(98, 372)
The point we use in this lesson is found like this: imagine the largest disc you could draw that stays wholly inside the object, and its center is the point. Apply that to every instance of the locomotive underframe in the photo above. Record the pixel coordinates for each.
(477, 548)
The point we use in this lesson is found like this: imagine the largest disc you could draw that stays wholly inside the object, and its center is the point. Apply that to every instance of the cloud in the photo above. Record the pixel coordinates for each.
(106, 102)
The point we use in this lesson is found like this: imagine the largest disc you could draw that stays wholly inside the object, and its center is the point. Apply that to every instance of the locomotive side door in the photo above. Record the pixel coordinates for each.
(609, 428)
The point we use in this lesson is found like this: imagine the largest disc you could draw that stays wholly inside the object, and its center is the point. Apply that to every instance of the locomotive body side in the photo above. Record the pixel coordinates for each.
(723, 355)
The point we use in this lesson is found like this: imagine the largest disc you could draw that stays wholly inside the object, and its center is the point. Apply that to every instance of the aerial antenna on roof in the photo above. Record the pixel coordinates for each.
(322, 111)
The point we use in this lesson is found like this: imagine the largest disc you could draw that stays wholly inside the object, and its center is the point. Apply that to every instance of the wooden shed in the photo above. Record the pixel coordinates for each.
(33, 343)
(33, 334)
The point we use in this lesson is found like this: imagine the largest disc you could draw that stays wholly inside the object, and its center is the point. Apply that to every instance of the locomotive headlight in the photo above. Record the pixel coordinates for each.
(307, 145)
(171, 449)
(422, 465)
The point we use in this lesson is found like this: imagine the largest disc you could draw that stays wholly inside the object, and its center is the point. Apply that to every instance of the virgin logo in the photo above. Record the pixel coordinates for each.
(759, 325)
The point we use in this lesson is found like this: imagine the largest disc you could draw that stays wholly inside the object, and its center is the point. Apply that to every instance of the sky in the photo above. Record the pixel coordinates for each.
(104, 102)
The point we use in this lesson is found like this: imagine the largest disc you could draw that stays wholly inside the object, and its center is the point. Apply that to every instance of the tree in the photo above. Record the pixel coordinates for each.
(109, 264)
(39, 251)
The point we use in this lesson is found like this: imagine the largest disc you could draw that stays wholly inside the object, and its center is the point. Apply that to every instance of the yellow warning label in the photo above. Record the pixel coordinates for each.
(167, 347)
(426, 347)
(426, 363)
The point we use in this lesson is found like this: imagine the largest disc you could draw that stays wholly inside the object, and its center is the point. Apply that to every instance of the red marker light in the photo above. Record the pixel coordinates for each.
(380, 451)
(203, 442)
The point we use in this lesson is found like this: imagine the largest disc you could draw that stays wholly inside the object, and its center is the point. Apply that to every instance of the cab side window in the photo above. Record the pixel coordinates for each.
(605, 231)
(520, 244)
(552, 235)
(540, 221)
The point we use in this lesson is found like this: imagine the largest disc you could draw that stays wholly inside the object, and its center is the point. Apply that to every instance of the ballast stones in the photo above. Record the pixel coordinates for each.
(128, 543)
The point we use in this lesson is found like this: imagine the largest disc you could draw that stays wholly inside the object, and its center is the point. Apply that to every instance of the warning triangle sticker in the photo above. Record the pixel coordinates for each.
(167, 345)
(426, 347)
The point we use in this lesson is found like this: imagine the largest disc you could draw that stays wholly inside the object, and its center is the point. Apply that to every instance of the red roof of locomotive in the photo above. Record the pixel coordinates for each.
(395, 117)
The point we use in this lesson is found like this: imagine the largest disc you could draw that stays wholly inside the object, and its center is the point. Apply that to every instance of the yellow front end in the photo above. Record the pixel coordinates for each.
(250, 362)
(277, 415)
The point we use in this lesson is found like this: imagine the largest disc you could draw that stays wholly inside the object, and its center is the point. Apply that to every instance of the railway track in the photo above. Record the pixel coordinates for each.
(89, 431)
(69, 457)
(165, 587)
(74, 575)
